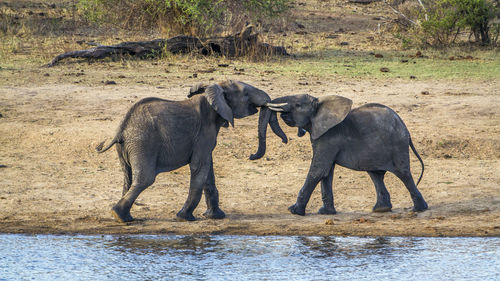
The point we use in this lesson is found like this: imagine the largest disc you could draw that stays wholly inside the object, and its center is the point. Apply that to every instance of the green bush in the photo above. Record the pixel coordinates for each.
(194, 17)
(444, 21)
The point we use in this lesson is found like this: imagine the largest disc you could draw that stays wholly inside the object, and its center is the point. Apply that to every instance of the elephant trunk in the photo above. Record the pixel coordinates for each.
(266, 116)
(275, 126)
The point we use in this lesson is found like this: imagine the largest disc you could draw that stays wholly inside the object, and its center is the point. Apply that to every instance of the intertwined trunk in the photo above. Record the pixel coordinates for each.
(266, 116)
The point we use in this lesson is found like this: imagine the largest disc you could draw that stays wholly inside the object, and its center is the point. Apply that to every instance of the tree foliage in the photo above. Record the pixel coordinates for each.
(441, 22)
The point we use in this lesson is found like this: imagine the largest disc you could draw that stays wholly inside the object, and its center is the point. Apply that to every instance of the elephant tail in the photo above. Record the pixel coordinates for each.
(99, 148)
(419, 159)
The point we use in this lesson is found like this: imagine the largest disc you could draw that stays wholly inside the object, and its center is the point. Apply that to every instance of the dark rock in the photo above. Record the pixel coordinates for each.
(109, 82)
(344, 43)
(384, 69)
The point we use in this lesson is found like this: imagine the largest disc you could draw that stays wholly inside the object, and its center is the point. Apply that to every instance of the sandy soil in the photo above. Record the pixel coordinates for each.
(52, 181)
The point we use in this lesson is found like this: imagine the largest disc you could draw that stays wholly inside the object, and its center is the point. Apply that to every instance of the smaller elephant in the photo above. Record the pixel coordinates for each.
(370, 138)
(158, 135)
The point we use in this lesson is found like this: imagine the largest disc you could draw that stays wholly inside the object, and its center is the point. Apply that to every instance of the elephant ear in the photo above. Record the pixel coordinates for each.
(197, 89)
(215, 96)
(331, 111)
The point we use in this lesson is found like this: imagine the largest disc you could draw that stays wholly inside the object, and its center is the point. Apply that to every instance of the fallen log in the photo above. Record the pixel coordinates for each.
(243, 43)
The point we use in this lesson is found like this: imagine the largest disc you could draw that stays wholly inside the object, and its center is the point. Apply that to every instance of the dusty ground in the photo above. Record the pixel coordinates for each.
(52, 181)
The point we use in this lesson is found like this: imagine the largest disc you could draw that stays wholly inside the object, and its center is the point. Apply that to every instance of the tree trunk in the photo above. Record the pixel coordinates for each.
(244, 43)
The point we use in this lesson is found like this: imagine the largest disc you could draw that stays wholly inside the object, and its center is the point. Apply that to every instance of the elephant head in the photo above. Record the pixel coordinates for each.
(235, 99)
(315, 115)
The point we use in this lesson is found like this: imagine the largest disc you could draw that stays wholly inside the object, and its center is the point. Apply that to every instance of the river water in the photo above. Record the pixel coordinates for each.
(172, 257)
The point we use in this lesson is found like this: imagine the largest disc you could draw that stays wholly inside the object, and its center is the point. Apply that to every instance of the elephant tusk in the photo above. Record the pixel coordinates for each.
(276, 109)
(270, 104)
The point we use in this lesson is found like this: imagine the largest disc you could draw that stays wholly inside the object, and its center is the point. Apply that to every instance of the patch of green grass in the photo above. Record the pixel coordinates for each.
(484, 65)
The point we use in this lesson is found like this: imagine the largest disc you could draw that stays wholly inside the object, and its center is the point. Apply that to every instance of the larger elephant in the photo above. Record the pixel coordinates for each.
(370, 138)
(158, 135)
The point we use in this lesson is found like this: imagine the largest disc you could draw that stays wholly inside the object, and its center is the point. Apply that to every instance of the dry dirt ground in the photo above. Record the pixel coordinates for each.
(53, 181)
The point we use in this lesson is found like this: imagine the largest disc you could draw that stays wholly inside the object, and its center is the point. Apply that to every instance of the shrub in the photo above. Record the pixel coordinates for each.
(443, 21)
(192, 17)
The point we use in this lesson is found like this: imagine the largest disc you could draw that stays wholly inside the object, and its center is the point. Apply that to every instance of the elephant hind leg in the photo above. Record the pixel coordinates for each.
(127, 170)
(127, 178)
(419, 203)
(383, 203)
(143, 177)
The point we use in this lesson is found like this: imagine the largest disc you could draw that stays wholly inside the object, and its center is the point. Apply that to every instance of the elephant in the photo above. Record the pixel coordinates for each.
(158, 135)
(371, 138)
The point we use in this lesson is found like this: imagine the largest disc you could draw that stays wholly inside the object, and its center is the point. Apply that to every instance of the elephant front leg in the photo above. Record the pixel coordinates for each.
(212, 197)
(312, 180)
(327, 195)
(199, 174)
(320, 168)
(299, 208)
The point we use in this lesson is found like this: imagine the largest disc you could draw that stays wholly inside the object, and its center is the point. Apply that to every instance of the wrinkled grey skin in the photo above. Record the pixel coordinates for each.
(370, 138)
(159, 135)
(266, 116)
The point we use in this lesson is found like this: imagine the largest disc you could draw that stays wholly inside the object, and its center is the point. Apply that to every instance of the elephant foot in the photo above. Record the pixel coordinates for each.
(327, 211)
(382, 208)
(120, 215)
(215, 213)
(420, 207)
(296, 210)
(182, 216)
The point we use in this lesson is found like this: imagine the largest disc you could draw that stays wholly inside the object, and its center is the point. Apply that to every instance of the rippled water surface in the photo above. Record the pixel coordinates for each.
(154, 257)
